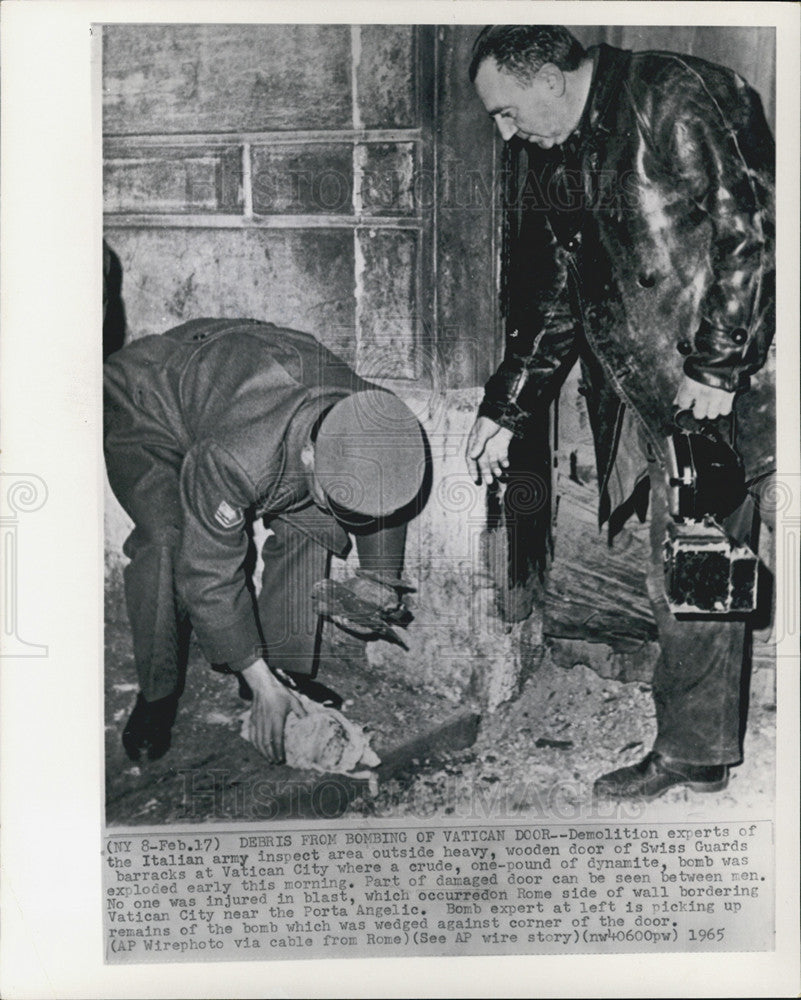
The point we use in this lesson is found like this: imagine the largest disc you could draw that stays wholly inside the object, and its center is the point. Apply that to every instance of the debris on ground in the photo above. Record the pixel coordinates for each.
(515, 771)
(535, 758)
(324, 740)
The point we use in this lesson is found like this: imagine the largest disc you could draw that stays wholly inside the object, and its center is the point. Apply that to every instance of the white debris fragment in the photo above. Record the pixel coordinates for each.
(325, 740)
(218, 719)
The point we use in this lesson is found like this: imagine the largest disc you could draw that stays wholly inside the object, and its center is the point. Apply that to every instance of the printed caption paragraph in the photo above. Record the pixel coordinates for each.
(438, 891)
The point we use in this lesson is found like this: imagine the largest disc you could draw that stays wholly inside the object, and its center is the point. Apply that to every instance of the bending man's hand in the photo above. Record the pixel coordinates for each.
(704, 401)
(272, 703)
(487, 452)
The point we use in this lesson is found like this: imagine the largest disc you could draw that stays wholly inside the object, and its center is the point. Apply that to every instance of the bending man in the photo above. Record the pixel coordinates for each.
(212, 425)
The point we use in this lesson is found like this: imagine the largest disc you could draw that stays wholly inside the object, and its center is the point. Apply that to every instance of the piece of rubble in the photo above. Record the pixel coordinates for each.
(325, 740)
(546, 741)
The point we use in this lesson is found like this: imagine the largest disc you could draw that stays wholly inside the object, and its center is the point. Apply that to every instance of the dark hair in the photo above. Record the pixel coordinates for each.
(523, 49)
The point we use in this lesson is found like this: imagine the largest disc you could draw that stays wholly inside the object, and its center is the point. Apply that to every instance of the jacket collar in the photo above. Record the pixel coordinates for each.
(609, 66)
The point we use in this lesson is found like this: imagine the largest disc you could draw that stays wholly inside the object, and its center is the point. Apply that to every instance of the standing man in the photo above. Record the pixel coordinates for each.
(212, 425)
(647, 253)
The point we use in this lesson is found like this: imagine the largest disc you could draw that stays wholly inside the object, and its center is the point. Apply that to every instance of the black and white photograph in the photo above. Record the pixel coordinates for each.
(429, 457)
(518, 328)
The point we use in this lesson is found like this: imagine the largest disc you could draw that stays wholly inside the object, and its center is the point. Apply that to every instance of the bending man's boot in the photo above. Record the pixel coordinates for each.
(149, 728)
(655, 774)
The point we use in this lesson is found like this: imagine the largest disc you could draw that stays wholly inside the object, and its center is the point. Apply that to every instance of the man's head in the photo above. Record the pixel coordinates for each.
(366, 456)
(532, 79)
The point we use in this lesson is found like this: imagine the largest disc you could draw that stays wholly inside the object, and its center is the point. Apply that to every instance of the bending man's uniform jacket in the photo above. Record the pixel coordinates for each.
(646, 249)
(203, 431)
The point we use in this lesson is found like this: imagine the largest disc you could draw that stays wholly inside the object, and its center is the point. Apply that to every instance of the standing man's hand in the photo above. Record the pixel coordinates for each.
(272, 703)
(705, 401)
(487, 452)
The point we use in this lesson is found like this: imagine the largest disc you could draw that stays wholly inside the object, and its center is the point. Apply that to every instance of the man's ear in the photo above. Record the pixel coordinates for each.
(553, 78)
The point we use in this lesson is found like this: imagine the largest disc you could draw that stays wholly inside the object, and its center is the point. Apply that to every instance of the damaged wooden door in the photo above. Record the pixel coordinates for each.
(282, 172)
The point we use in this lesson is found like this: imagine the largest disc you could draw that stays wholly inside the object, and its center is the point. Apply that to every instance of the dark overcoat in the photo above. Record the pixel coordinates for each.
(647, 250)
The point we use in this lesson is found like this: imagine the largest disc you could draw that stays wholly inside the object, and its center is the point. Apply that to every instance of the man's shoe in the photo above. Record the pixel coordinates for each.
(654, 775)
(149, 728)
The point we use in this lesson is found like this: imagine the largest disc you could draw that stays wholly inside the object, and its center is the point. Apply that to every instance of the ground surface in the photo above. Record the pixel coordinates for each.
(536, 757)
(212, 773)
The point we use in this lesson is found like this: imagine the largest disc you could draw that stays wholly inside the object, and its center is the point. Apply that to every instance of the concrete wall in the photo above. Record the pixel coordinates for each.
(458, 643)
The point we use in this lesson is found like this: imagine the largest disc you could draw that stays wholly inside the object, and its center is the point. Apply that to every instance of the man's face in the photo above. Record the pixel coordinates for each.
(535, 111)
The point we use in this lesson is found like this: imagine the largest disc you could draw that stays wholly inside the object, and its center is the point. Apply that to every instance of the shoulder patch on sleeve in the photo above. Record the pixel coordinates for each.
(228, 516)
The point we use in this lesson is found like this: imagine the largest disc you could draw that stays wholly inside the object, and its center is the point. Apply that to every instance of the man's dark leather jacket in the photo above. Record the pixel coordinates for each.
(662, 263)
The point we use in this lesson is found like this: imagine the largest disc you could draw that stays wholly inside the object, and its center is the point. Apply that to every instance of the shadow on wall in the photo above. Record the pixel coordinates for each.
(113, 306)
